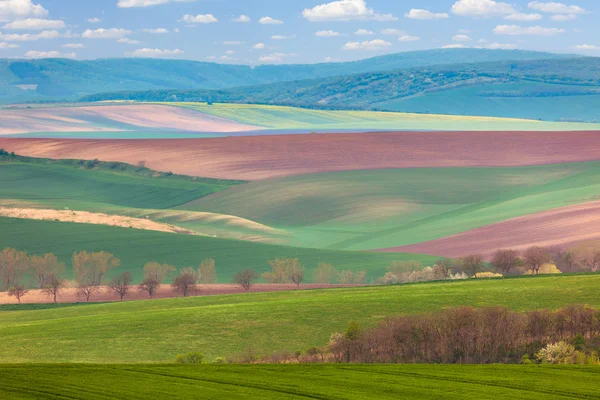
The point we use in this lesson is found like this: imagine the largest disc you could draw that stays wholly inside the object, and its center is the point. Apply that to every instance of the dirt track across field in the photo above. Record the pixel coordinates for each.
(262, 157)
(561, 227)
(165, 291)
(112, 118)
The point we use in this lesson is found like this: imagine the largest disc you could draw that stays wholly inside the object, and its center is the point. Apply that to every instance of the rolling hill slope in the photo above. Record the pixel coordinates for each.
(68, 79)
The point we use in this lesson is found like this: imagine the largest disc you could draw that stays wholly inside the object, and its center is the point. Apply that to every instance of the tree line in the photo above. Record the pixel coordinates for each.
(463, 335)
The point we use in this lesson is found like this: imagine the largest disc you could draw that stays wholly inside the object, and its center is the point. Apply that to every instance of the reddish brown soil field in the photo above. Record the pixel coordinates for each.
(261, 157)
(70, 295)
(112, 118)
(561, 227)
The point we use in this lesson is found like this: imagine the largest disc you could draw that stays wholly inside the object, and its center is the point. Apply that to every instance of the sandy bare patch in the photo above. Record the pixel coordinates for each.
(84, 217)
(104, 118)
(262, 157)
(561, 227)
(70, 295)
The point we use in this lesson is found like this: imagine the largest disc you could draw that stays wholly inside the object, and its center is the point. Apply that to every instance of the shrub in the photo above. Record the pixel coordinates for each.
(190, 358)
(557, 353)
(545, 269)
(487, 275)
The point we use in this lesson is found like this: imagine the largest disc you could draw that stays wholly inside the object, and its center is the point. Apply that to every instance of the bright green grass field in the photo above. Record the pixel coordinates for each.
(360, 210)
(136, 247)
(91, 382)
(218, 326)
(281, 117)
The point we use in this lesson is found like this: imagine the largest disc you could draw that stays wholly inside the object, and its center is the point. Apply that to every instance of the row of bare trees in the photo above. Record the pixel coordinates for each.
(463, 335)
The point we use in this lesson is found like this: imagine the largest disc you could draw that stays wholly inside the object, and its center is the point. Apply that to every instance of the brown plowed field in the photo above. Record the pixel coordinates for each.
(261, 157)
(561, 227)
(112, 118)
(165, 291)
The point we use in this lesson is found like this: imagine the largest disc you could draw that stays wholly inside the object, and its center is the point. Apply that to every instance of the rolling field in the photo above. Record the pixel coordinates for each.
(93, 382)
(263, 157)
(361, 210)
(218, 326)
(136, 247)
(281, 117)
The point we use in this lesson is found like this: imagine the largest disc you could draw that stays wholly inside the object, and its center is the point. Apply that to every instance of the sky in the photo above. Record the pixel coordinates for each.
(289, 31)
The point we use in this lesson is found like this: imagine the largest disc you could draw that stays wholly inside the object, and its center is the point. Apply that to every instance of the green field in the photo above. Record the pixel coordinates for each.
(359, 210)
(281, 117)
(218, 326)
(93, 382)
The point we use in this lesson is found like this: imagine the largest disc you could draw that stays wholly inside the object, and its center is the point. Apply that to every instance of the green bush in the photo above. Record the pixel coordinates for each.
(190, 358)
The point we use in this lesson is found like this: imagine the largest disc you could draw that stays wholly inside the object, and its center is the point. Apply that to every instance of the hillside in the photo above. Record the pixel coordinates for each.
(62, 79)
(554, 90)
(220, 326)
(288, 382)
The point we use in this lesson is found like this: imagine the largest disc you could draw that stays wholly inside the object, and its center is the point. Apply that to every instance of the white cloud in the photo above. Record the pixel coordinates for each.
(269, 21)
(48, 54)
(330, 59)
(230, 52)
(35, 24)
(455, 46)
(587, 47)
(73, 46)
(14, 9)
(564, 17)
(416, 13)
(128, 41)
(556, 8)
(526, 30)
(345, 10)
(151, 53)
(375, 44)
(242, 18)
(408, 38)
(101, 33)
(328, 33)
(94, 20)
(392, 32)
(200, 19)
(232, 42)
(259, 46)
(28, 37)
(523, 17)
(147, 3)
(498, 46)
(482, 8)
(461, 38)
(273, 58)
(364, 32)
(4, 45)
(156, 31)
(282, 37)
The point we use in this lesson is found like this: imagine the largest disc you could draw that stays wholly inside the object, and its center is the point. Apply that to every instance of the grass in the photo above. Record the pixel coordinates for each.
(360, 210)
(282, 117)
(137, 247)
(155, 331)
(92, 382)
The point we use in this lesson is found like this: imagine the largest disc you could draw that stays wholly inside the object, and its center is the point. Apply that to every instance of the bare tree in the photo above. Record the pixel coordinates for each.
(13, 266)
(149, 285)
(44, 266)
(17, 291)
(157, 271)
(52, 286)
(282, 269)
(588, 255)
(443, 268)
(505, 260)
(207, 271)
(348, 277)
(297, 276)
(472, 264)
(121, 284)
(245, 278)
(325, 273)
(185, 282)
(534, 257)
(90, 269)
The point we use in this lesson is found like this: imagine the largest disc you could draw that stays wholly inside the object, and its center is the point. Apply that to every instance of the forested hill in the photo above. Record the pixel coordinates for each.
(556, 89)
(62, 79)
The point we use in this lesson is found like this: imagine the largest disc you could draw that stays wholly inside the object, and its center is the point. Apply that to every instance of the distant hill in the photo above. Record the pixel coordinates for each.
(63, 79)
(552, 89)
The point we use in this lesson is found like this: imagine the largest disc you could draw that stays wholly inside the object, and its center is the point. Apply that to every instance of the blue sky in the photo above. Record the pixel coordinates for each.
(288, 31)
